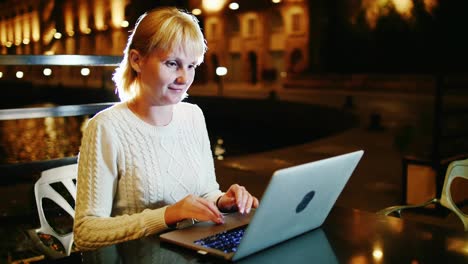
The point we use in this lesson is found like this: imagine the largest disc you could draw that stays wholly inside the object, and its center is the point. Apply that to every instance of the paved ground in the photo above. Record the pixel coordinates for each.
(375, 184)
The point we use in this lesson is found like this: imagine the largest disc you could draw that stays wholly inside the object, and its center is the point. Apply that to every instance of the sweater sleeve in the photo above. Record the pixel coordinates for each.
(209, 185)
(94, 226)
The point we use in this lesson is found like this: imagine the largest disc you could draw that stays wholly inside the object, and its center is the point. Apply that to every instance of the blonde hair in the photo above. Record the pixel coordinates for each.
(162, 28)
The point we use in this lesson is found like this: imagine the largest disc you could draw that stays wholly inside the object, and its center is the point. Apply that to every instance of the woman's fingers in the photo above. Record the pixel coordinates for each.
(244, 200)
(202, 209)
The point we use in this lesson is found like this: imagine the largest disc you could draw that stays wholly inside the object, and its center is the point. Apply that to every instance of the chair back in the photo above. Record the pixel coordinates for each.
(66, 175)
(458, 168)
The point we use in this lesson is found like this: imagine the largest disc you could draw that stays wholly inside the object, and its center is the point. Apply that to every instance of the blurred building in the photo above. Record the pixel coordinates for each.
(255, 40)
(48, 27)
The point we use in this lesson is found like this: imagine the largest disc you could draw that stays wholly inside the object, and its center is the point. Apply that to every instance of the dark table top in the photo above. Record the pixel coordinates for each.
(347, 236)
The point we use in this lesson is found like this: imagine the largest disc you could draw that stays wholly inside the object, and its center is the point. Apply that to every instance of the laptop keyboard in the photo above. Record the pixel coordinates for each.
(226, 241)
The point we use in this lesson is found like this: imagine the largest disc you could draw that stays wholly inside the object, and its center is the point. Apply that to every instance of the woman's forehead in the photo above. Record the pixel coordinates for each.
(179, 51)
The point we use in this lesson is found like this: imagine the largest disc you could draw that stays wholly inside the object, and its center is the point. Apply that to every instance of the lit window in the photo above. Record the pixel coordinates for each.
(296, 22)
(213, 30)
(251, 27)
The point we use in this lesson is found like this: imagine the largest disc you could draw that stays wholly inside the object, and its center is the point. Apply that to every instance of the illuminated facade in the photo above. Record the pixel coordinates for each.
(48, 27)
(62, 27)
(255, 40)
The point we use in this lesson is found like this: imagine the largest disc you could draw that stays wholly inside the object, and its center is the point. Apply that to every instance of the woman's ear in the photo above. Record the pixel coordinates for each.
(135, 60)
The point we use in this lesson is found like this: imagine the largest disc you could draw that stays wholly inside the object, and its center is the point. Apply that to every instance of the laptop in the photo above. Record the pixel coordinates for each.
(296, 200)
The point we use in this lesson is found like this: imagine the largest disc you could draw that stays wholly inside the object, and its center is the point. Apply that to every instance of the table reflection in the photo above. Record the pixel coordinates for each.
(360, 237)
(312, 246)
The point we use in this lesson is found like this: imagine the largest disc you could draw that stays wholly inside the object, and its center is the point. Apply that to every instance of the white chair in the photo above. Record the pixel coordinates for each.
(43, 190)
(458, 168)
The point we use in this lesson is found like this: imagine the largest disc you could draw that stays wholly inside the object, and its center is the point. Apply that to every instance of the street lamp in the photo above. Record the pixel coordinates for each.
(220, 72)
(213, 5)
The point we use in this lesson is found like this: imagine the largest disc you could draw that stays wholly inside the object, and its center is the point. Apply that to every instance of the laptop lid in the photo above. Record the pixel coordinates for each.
(296, 200)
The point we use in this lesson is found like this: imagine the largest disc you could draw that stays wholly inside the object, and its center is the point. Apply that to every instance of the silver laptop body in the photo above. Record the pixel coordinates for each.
(296, 200)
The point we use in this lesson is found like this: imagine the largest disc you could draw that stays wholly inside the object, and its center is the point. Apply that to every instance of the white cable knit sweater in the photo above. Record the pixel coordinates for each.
(129, 171)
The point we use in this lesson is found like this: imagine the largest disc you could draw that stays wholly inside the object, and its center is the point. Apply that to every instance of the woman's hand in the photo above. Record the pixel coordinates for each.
(193, 206)
(237, 197)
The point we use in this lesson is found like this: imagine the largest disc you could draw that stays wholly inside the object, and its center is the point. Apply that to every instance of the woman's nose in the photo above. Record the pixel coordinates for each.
(181, 77)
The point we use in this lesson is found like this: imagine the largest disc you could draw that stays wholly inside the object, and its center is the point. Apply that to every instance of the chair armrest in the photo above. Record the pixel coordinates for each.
(398, 208)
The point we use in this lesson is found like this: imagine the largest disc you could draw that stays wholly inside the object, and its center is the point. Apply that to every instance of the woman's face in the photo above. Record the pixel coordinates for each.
(165, 77)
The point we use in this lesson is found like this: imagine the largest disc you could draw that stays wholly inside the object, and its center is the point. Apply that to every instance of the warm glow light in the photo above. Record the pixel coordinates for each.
(1, 74)
(19, 74)
(87, 31)
(26, 41)
(85, 71)
(377, 254)
(35, 27)
(117, 8)
(457, 245)
(71, 33)
(213, 5)
(49, 52)
(8, 44)
(83, 16)
(47, 72)
(99, 15)
(124, 24)
(376, 9)
(276, 1)
(57, 35)
(233, 6)
(429, 5)
(197, 11)
(403, 7)
(69, 18)
(221, 71)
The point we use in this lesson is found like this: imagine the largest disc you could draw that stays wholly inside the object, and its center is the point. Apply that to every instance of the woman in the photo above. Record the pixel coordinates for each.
(145, 164)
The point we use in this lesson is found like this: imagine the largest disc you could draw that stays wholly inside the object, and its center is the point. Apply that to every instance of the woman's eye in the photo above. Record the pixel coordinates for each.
(171, 63)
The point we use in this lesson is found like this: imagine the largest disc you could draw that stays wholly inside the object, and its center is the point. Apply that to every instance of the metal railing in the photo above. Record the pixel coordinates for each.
(21, 172)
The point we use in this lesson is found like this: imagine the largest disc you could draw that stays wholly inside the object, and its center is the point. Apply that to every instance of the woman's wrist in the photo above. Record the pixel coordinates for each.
(217, 202)
(170, 216)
